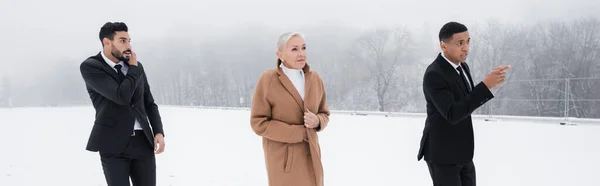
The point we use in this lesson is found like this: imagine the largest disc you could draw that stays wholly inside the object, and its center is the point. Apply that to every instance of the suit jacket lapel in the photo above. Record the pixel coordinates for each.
(139, 90)
(107, 68)
(463, 88)
(451, 72)
(468, 71)
(287, 83)
(136, 95)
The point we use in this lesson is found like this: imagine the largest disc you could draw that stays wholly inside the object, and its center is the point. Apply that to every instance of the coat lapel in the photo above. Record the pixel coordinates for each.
(289, 86)
(307, 84)
(287, 83)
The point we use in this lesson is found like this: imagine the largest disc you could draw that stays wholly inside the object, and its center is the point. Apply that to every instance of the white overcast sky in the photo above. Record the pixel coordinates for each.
(47, 30)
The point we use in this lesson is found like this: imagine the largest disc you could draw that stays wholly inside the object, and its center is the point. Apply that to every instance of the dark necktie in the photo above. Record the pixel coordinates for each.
(120, 75)
(464, 78)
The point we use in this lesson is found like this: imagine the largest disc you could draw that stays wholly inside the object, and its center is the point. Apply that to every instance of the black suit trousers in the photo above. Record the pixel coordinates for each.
(452, 174)
(136, 161)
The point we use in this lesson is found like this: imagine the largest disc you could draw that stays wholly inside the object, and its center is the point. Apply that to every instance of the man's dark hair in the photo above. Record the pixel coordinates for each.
(109, 30)
(450, 29)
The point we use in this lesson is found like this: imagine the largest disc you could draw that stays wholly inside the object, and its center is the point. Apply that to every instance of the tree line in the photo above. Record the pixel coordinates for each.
(378, 69)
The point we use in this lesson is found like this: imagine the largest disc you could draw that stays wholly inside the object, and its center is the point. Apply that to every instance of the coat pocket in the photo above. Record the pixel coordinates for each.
(289, 159)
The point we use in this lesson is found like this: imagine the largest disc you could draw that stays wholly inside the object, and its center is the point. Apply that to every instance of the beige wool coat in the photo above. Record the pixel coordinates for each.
(292, 151)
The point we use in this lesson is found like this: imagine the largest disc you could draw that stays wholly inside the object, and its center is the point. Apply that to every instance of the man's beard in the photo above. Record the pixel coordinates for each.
(119, 55)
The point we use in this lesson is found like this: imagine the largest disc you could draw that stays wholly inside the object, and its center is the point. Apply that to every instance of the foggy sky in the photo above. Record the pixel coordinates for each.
(37, 32)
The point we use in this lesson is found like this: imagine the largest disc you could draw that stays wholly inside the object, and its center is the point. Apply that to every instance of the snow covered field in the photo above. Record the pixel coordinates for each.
(46, 146)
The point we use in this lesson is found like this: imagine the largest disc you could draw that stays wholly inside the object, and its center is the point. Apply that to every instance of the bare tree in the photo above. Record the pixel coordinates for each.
(495, 44)
(379, 69)
(327, 48)
(580, 44)
(383, 51)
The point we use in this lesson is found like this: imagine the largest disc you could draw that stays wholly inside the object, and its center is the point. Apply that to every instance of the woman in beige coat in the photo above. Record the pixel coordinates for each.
(288, 109)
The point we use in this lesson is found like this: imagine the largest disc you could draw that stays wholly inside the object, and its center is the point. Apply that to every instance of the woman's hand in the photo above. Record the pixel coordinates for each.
(310, 120)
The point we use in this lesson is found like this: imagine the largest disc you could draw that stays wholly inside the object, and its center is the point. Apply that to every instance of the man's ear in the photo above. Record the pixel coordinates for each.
(443, 46)
(105, 41)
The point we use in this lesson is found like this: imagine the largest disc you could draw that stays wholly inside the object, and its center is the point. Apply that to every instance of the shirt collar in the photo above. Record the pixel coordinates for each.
(451, 63)
(290, 71)
(111, 63)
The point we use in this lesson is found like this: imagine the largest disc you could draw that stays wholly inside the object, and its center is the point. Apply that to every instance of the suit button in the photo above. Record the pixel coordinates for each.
(132, 105)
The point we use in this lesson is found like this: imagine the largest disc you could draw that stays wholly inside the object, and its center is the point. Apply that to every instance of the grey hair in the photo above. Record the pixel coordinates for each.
(284, 38)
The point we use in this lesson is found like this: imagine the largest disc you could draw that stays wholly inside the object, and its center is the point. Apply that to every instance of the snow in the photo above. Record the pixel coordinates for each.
(46, 146)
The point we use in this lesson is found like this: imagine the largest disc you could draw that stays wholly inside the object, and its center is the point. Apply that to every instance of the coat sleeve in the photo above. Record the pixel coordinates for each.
(261, 120)
(151, 107)
(101, 82)
(323, 113)
(438, 92)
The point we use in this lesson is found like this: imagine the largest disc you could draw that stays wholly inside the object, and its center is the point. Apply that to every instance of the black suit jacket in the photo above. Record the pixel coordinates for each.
(117, 105)
(448, 133)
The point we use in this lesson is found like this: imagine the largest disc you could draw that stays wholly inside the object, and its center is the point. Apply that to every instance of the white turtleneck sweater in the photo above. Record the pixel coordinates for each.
(297, 78)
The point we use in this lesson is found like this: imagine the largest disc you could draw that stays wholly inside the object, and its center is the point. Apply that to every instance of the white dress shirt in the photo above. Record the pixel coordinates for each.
(297, 78)
(124, 68)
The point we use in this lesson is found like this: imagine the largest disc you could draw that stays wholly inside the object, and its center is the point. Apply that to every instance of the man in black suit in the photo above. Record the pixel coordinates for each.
(127, 130)
(451, 95)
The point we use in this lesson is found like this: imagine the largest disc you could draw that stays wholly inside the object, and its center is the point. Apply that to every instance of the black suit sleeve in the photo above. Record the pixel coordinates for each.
(151, 107)
(101, 82)
(438, 91)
